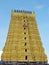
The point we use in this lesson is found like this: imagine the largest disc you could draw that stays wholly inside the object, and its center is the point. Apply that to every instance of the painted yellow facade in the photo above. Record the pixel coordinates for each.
(23, 41)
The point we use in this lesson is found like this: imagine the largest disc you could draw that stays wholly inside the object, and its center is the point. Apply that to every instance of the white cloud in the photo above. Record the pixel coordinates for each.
(0, 54)
(48, 61)
(39, 7)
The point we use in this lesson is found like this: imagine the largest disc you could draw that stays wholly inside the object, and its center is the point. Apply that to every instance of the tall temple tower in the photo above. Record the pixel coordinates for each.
(23, 43)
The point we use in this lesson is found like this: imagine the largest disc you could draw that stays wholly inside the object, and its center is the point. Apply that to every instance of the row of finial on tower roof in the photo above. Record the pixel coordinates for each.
(23, 11)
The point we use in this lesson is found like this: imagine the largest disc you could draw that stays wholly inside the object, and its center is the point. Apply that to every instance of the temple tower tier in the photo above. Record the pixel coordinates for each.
(23, 44)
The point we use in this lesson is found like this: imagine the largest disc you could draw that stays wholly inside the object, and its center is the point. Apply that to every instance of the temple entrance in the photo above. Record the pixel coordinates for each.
(22, 63)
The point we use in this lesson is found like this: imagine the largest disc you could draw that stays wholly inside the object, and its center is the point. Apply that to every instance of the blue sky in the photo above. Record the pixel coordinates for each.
(41, 9)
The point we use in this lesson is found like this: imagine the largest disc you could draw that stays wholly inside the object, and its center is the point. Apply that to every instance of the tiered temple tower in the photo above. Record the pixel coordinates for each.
(23, 43)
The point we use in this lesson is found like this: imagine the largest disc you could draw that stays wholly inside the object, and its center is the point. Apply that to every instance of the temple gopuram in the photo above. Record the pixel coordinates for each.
(23, 45)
